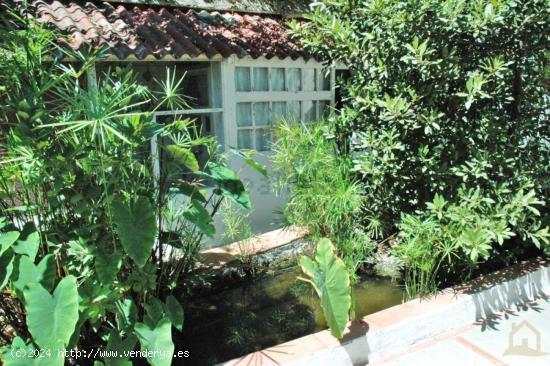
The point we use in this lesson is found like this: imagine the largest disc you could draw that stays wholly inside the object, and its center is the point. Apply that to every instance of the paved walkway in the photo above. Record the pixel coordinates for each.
(515, 338)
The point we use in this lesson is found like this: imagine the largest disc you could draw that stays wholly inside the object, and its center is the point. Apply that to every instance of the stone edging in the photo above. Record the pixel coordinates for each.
(397, 328)
(220, 256)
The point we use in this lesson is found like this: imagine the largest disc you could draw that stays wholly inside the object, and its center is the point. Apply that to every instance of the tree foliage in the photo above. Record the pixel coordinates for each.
(442, 94)
(448, 101)
(93, 240)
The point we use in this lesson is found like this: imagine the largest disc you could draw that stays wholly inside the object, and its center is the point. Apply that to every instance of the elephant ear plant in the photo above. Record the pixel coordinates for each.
(95, 242)
(328, 275)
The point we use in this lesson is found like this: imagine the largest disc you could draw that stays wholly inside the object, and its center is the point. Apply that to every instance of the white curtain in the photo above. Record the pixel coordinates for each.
(278, 79)
(261, 80)
(244, 139)
(309, 80)
(294, 79)
(244, 114)
(278, 111)
(261, 114)
(242, 79)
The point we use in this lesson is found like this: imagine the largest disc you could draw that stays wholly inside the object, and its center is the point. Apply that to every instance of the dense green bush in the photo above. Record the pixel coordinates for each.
(450, 239)
(445, 98)
(442, 94)
(95, 242)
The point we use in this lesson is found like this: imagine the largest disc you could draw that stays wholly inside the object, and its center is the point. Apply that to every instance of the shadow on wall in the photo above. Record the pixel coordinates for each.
(498, 293)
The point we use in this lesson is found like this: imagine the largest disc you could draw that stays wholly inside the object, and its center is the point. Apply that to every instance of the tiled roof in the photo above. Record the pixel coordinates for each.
(280, 7)
(144, 31)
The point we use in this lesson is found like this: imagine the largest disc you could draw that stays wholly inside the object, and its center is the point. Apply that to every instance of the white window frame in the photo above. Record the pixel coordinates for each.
(216, 113)
(231, 96)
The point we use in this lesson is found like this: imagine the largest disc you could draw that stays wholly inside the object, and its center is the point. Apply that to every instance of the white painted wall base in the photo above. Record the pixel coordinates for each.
(263, 217)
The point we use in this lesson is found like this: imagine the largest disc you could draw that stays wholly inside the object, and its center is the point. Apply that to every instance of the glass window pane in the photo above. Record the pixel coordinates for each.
(244, 114)
(277, 79)
(323, 108)
(309, 79)
(195, 88)
(294, 114)
(242, 79)
(309, 110)
(261, 114)
(263, 139)
(294, 81)
(244, 139)
(323, 81)
(278, 111)
(261, 81)
(218, 128)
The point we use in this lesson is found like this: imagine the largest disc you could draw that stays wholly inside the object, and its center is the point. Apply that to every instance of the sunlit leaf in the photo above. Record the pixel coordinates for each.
(52, 319)
(329, 277)
(136, 226)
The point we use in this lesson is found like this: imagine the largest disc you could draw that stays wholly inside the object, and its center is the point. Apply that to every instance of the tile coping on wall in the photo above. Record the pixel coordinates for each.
(220, 256)
(392, 330)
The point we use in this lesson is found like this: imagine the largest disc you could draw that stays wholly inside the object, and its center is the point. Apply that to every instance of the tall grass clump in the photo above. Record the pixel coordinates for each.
(323, 195)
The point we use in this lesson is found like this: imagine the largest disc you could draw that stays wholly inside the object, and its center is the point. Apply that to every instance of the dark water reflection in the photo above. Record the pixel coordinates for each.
(267, 312)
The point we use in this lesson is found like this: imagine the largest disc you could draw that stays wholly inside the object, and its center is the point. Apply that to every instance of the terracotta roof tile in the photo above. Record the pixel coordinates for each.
(144, 31)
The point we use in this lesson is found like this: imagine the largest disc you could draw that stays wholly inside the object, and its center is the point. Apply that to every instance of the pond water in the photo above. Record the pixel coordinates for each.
(264, 313)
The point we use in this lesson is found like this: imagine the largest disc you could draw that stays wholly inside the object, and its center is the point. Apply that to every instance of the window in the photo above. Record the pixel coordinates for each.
(244, 114)
(202, 125)
(309, 79)
(322, 80)
(294, 110)
(278, 79)
(294, 79)
(254, 124)
(202, 91)
(242, 79)
(278, 111)
(266, 95)
(309, 110)
(261, 80)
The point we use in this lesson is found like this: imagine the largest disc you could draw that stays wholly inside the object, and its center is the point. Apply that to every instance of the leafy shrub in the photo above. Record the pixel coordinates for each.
(442, 94)
(323, 195)
(445, 99)
(452, 238)
(94, 241)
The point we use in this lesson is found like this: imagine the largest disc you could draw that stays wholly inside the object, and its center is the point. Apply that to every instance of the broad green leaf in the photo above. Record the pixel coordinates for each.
(127, 313)
(157, 339)
(93, 298)
(183, 156)
(198, 215)
(6, 268)
(7, 240)
(107, 266)
(190, 191)
(28, 246)
(29, 273)
(155, 311)
(119, 345)
(52, 319)
(228, 183)
(175, 312)
(329, 277)
(248, 157)
(137, 228)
